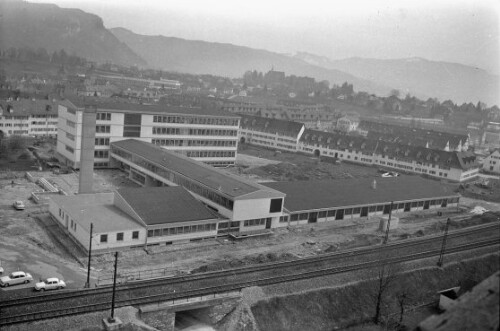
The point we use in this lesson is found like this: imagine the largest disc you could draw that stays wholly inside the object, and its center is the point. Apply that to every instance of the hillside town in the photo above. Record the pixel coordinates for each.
(156, 199)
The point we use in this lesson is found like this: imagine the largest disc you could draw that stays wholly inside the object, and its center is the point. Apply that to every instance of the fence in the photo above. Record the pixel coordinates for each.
(123, 277)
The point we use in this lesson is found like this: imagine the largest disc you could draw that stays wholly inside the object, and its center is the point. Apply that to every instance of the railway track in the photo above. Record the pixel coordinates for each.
(87, 300)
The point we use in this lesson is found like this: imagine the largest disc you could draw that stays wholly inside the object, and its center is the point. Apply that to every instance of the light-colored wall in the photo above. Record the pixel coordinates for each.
(82, 235)
(253, 208)
(492, 163)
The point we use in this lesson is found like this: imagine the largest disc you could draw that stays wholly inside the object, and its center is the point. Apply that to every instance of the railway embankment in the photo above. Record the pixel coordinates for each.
(339, 302)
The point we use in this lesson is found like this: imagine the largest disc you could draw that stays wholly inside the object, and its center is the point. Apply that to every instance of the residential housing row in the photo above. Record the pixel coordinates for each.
(28, 117)
(405, 156)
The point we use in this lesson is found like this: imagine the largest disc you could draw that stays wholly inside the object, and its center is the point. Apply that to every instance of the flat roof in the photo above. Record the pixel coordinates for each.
(312, 195)
(111, 104)
(160, 205)
(227, 184)
(96, 208)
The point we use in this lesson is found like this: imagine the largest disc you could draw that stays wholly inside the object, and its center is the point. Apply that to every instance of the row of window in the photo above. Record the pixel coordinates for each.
(102, 141)
(229, 225)
(263, 136)
(181, 142)
(119, 236)
(70, 149)
(257, 221)
(24, 118)
(161, 130)
(211, 154)
(101, 154)
(103, 116)
(371, 209)
(195, 120)
(71, 124)
(182, 230)
(102, 128)
(292, 141)
(212, 132)
(219, 163)
(44, 123)
(43, 129)
(70, 136)
(262, 142)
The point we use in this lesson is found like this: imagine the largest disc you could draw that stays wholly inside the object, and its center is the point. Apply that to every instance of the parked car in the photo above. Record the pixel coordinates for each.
(19, 205)
(50, 284)
(15, 278)
(390, 174)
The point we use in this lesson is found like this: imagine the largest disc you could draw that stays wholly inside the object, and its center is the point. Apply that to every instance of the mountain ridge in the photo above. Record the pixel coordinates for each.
(42, 25)
(421, 77)
(225, 59)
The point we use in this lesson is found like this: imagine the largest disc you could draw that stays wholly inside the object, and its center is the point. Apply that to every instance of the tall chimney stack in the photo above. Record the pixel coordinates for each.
(87, 150)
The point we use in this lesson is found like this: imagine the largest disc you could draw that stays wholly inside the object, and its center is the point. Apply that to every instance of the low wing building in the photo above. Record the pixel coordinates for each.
(134, 217)
(346, 199)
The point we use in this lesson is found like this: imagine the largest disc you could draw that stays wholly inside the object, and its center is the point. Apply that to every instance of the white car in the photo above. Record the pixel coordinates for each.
(19, 205)
(15, 278)
(50, 284)
(390, 174)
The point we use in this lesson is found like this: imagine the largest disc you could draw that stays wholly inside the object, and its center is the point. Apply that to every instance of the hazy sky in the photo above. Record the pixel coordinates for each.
(462, 31)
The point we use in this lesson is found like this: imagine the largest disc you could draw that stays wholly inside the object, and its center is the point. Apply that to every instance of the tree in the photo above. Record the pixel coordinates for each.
(395, 93)
(402, 298)
(386, 276)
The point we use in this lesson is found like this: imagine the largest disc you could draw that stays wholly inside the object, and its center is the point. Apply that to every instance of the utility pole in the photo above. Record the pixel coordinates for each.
(112, 318)
(386, 238)
(87, 284)
(443, 246)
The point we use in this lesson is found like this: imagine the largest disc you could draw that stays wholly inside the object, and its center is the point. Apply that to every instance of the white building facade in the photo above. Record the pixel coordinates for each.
(491, 163)
(35, 118)
(209, 137)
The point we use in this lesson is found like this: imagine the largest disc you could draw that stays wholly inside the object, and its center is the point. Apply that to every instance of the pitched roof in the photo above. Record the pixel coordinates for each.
(159, 205)
(271, 125)
(342, 141)
(26, 107)
(225, 183)
(352, 192)
(120, 106)
(337, 141)
(411, 136)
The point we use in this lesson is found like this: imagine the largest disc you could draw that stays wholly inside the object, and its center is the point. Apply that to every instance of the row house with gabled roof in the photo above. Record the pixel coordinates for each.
(440, 140)
(270, 132)
(452, 165)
